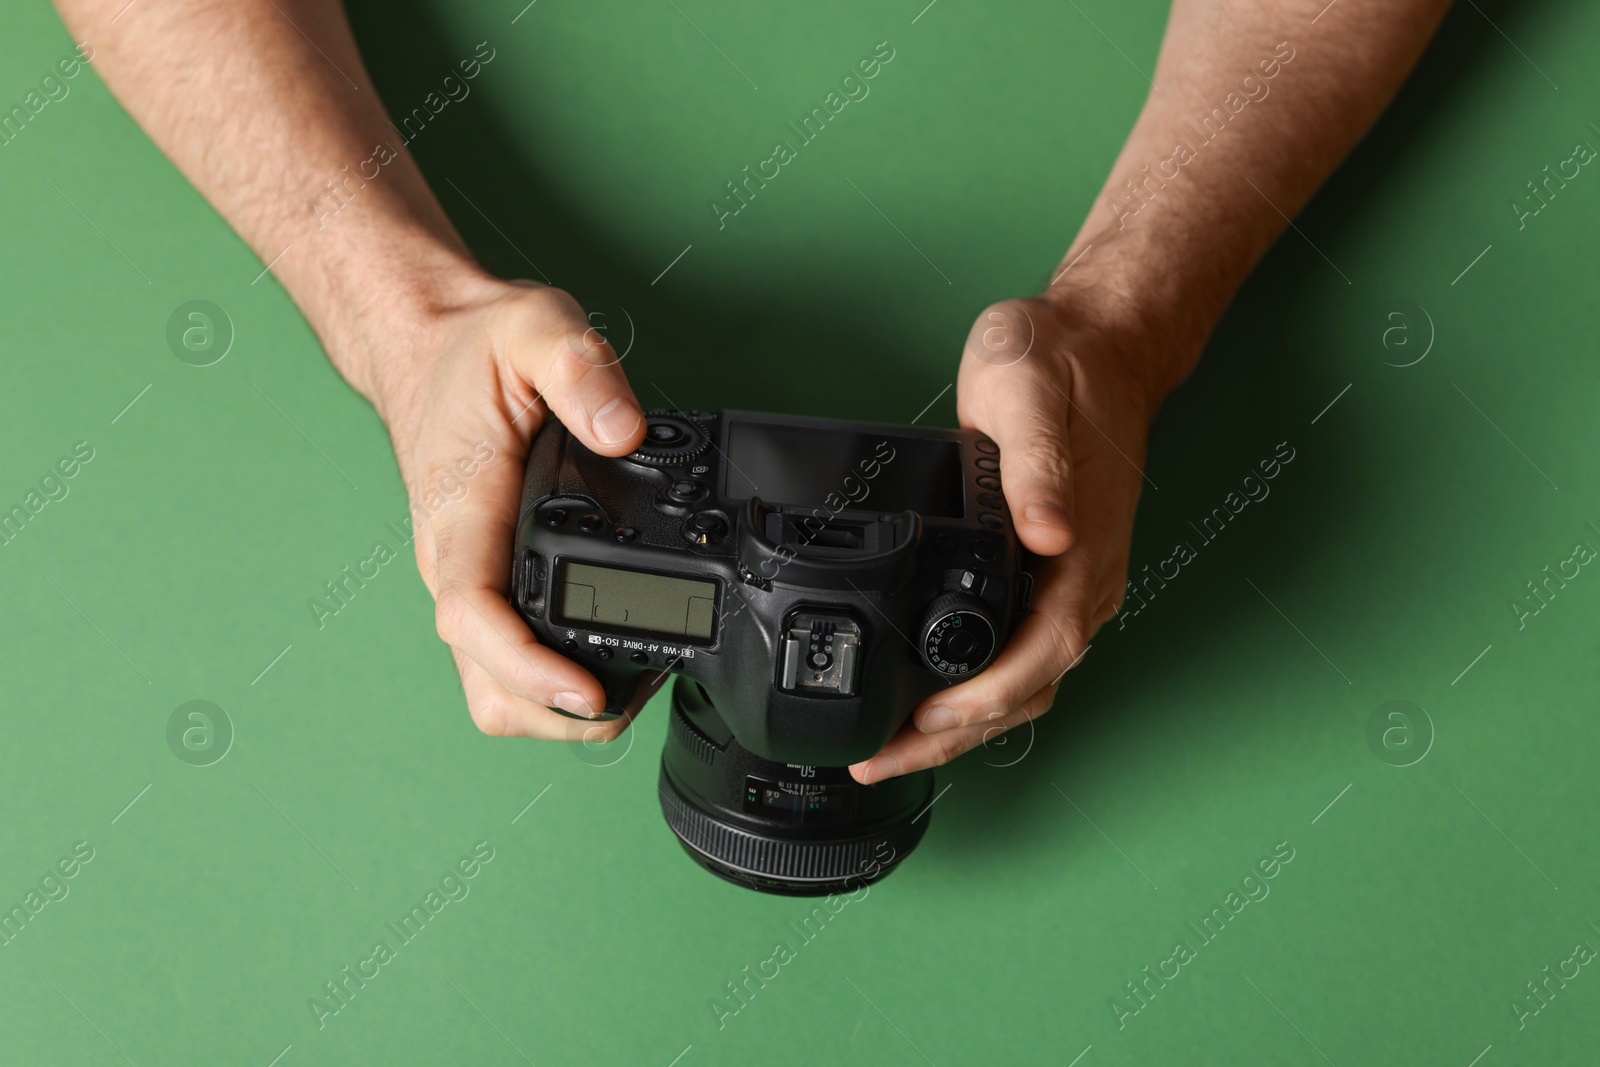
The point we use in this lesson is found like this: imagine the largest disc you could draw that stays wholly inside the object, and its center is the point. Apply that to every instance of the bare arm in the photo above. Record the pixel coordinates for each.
(1253, 103)
(265, 106)
(261, 105)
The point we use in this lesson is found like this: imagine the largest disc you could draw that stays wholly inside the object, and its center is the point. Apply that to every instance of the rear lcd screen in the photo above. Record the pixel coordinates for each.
(820, 468)
(655, 604)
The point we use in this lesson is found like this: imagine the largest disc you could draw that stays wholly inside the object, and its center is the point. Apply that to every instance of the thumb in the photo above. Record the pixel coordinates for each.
(1016, 400)
(1036, 470)
(551, 343)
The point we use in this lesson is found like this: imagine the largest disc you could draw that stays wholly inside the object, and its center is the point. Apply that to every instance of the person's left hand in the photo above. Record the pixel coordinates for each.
(1069, 400)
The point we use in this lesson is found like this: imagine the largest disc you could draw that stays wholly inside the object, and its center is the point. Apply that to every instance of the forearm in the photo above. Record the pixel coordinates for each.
(1254, 104)
(266, 108)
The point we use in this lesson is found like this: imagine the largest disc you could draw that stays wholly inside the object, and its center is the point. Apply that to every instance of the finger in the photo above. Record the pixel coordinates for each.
(650, 683)
(472, 527)
(464, 551)
(1036, 472)
(1050, 640)
(1011, 394)
(499, 713)
(551, 345)
(911, 750)
(479, 623)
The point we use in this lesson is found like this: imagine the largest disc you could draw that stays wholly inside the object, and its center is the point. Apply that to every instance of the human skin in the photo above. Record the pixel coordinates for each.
(1110, 337)
(261, 102)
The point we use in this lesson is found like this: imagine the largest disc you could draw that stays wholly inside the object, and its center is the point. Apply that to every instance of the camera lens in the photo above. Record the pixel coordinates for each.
(779, 827)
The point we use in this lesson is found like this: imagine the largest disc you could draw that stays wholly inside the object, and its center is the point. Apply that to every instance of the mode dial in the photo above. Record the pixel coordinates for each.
(957, 637)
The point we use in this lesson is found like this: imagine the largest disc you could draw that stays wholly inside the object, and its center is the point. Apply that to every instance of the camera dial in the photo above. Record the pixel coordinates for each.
(957, 635)
(670, 438)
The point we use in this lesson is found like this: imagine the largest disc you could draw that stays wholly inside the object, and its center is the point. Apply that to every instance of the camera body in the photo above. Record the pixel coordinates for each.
(814, 579)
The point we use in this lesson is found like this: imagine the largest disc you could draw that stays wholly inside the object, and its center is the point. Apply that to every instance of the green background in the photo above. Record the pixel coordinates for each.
(1184, 748)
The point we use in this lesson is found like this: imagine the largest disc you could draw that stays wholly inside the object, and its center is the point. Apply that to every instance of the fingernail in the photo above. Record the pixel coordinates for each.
(1043, 511)
(939, 718)
(616, 421)
(881, 768)
(575, 703)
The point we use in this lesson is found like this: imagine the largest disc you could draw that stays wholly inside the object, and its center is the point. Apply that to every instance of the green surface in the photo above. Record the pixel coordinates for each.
(1190, 743)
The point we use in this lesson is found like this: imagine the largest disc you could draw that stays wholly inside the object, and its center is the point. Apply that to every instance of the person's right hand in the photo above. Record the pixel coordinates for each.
(479, 372)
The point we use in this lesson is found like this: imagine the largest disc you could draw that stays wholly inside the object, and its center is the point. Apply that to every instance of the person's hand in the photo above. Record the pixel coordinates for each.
(1069, 400)
(473, 378)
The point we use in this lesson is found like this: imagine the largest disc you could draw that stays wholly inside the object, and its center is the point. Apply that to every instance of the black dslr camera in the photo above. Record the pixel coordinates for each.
(810, 582)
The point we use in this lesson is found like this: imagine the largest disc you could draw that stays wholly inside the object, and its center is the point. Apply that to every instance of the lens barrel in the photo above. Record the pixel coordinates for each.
(780, 827)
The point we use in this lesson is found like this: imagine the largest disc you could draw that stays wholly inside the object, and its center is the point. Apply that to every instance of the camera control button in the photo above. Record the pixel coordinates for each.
(684, 491)
(665, 433)
(990, 500)
(946, 545)
(705, 528)
(988, 481)
(527, 580)
(984, 549)
(603, 652)
(988, 447)
(570, 645)
(555, 517)
(639, 657)
(590, 522)
(627, 535)
(994, 522)
(984, 463)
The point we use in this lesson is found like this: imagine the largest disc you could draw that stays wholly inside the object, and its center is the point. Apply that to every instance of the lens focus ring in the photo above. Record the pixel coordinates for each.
(786, 865)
